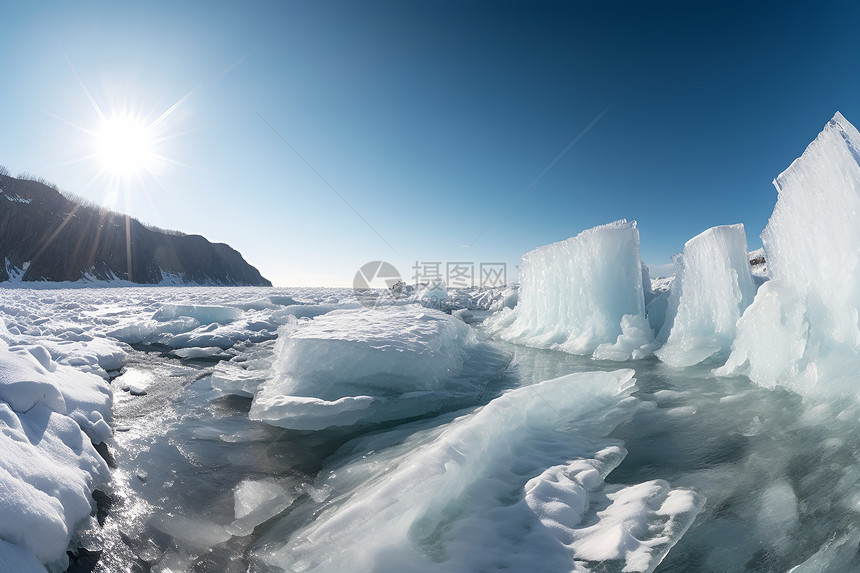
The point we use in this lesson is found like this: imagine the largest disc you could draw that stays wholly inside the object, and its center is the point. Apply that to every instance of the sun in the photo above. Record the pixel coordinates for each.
(125, 146)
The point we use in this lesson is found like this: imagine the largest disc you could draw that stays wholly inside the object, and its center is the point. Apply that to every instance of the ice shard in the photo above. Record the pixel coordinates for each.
(802, 330)
(713, 286)
(574, 294)
(497, 489)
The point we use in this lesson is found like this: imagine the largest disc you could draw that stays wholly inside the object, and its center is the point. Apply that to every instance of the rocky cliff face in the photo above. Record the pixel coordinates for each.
(52, 238)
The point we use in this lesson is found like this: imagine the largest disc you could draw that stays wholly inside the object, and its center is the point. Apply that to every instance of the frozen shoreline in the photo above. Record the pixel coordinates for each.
(434, 434)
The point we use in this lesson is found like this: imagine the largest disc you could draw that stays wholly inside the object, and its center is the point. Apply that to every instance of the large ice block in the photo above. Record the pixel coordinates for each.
(575, 293)
(713, 286)
(808, 314)
(351, 367)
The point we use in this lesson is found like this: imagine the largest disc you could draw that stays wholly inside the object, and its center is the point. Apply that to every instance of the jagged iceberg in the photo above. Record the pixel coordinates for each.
(575, 294)
(713, 286)
(802, 329)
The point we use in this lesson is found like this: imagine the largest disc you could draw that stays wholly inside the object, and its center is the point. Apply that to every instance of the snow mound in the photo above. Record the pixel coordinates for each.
(497, 489)
(29, 376)
(54, 404)
(638, 524)
(713, 287)
(574, 294)
(148, 331)
(372, 365)
(47, 469)
(802, 330)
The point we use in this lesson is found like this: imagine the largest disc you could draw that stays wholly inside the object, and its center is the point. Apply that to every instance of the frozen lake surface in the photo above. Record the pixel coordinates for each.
(550, 462)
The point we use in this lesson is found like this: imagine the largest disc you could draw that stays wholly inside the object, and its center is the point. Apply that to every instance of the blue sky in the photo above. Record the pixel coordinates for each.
(429, 119)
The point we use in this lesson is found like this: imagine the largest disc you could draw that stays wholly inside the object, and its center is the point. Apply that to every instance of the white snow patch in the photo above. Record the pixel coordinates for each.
(48, 467)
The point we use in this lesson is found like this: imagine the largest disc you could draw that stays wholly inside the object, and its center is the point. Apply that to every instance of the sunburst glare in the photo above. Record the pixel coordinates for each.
(125, 146)
(126, 143)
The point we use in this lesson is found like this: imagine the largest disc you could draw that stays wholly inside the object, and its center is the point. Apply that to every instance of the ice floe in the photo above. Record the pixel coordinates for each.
(372, 365)
(500, 488)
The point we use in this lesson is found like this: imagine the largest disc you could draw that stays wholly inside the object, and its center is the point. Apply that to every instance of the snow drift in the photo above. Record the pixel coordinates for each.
(49, 413)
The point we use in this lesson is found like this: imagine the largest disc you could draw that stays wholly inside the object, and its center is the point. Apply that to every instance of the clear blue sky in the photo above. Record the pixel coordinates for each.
(429, 118)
